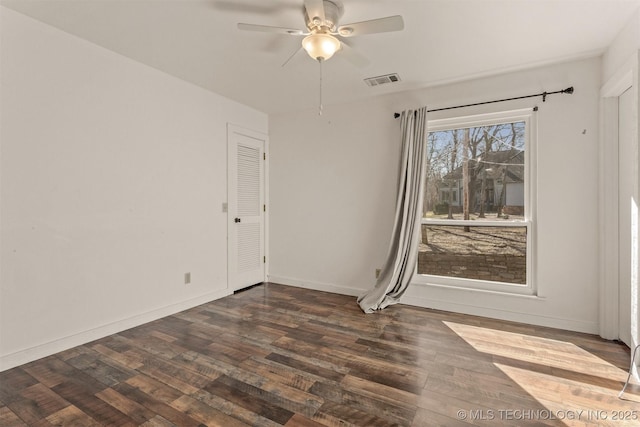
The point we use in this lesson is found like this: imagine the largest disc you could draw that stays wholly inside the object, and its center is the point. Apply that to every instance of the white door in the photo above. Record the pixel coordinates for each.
(246, 207)
(626, 156)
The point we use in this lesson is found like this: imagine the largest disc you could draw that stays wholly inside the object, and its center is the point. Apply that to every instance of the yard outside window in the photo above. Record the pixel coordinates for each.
(477, 225)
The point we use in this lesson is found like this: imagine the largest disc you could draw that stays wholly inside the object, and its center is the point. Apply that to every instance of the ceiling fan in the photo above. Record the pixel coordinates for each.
(323, 32)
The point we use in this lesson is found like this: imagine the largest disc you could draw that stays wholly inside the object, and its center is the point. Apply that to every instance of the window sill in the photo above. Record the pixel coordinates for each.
(521, 292)
(477, 223)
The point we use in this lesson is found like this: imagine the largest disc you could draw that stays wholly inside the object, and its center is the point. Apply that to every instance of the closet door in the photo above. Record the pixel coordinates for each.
(246, 208)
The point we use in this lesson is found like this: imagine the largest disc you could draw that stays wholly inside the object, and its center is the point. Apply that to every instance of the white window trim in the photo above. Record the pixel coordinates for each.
(522, 115)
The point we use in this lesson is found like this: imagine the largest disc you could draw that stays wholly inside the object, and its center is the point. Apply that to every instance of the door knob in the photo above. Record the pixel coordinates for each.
(237, 220)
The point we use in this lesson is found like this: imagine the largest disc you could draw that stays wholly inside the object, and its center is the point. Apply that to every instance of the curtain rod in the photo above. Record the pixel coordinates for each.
(544, 95)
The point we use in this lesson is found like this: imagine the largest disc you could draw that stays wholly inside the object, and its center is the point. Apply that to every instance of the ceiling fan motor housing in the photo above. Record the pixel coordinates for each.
(333, 11)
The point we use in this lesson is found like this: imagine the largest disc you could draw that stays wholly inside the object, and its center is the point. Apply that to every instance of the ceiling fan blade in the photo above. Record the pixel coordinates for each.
(269, 29)
(291, 57)
(381, 25)
(353, 55)
(315, 9)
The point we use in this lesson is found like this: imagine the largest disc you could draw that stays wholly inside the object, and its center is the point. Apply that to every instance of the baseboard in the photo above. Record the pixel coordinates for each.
(496, 313)
(34, 353)
(316, 286)
(455, 307)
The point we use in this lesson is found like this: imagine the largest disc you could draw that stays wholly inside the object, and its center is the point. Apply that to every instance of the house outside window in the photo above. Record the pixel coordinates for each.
(478, 224)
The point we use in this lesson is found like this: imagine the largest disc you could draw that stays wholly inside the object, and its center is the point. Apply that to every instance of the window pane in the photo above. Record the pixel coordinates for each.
(495, 254)
(477, 172)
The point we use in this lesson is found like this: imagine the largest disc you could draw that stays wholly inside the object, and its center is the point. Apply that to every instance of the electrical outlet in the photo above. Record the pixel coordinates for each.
(187, 278)
(378, 271)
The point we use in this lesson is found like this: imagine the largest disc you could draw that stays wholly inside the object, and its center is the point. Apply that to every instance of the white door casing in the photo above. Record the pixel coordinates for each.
(246, 207)
(611, 249)
(626, 209)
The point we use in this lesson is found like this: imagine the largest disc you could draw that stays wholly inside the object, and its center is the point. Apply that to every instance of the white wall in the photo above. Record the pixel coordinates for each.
(113, 175)
(626, 44)
(333, 189)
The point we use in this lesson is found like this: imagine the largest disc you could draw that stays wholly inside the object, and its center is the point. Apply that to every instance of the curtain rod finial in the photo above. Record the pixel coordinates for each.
(568, 90)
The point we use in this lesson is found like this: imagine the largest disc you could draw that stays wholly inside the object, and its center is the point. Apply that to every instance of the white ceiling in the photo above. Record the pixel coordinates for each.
(443, 41)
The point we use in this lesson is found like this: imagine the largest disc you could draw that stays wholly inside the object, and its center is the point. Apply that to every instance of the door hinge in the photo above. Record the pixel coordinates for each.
(264, 208)
(264, 156)
(264, 259)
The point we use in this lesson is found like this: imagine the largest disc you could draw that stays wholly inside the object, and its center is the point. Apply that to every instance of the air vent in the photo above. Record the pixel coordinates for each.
(381, 80)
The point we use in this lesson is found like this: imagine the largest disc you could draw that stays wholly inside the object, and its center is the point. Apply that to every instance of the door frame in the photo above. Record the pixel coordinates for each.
(231, 129)
(626, 77)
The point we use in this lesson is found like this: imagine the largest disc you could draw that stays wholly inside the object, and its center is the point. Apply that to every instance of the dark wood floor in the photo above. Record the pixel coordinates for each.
(275, 355)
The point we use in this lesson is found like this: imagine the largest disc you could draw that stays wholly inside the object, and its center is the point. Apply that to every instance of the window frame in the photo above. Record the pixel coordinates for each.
(528, 116)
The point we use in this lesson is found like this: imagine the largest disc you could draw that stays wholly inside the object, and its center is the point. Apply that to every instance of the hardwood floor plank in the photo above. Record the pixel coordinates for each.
(226, 353)
(83, 398)
(450, 407)
(429, 418)
(158, 421)
(383, 409)
(123, 359)
(42, 423)
(132, 409)
(278, 394)
(72, 416)
(36, 402)
(153, 345)
(9, 419)
(396, 352)
(154, 388)
(171, 372)
(250, 401)
(345, 414)
(301, 421)
(321, 370)
(374, 389)
(329, 355)
(387, 374)
(475, 393)
(50, 371)
(256, 385)
(108, 374)
(156, 406)
(204, 413)
(184, 385)
(12, 382)
(329, 420)
(275, 355)
(233, 410)
(278, 373)
(243, 344)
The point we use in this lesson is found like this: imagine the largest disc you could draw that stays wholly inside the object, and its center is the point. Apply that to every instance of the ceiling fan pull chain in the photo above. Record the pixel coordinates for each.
(320, 106)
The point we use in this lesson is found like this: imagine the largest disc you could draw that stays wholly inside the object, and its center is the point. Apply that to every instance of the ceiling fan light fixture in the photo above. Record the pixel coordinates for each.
(321, 46)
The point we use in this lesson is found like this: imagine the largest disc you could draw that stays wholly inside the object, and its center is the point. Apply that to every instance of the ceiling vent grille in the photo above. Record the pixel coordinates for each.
(381, 80)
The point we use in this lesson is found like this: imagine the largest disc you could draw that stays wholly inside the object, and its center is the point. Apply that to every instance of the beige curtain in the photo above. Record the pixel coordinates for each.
(402, 256)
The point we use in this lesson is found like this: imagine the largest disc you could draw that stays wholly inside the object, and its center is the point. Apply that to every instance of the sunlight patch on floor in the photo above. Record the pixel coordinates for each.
(572, 402)
(560, 375)
(541, 351)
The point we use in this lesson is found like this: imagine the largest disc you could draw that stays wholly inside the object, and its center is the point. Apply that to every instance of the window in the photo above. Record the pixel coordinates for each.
(478, 215)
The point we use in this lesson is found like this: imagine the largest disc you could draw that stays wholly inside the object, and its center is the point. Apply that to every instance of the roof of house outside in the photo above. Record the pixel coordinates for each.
(495, 164)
